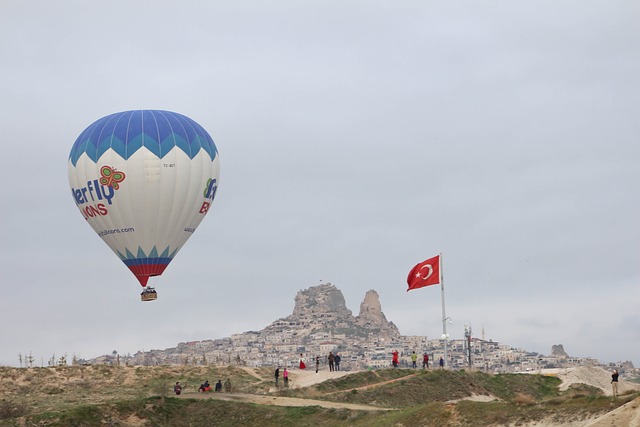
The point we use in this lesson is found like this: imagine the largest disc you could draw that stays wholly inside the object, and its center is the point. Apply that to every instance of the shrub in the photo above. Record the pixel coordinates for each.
(524, 399)
(159, 387)
(9, 409)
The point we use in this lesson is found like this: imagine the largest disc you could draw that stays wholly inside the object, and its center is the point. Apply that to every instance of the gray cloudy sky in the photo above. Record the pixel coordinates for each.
(357, 138)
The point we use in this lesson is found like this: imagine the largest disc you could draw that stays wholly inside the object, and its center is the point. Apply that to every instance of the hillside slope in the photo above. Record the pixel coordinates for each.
(124, 396)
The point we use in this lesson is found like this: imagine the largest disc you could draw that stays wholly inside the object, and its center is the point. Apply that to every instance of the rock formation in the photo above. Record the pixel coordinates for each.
(320, 299)
(322, 309)
(372, 317)
(558, 351)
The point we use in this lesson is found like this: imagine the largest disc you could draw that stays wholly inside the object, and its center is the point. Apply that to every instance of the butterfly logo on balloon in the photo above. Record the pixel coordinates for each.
(111, 177)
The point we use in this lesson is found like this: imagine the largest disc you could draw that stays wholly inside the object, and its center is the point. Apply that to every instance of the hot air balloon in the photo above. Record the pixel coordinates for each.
(144, 180)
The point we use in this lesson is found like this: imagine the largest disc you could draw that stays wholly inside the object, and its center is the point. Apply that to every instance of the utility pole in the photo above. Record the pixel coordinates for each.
(467, 335)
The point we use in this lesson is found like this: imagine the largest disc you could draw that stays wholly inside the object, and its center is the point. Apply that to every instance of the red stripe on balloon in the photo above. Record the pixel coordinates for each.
(144, 271)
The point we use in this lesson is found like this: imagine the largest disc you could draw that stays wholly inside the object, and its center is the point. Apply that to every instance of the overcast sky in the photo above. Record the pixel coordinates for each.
(356, 138)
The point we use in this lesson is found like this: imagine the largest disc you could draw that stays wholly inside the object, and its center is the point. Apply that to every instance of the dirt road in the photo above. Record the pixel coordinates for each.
(280, 401)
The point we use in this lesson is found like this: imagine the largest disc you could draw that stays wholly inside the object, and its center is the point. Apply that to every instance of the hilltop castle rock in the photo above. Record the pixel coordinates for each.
(318, 300)
(322, 309)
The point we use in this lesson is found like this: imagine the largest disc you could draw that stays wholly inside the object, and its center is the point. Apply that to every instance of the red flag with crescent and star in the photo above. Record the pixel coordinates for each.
(426, 273)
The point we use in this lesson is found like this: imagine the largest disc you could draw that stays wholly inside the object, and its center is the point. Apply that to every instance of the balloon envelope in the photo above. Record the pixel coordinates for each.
(144, 180)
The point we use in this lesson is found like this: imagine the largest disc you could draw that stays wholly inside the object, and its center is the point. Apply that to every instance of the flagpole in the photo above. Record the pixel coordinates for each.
(444, 315)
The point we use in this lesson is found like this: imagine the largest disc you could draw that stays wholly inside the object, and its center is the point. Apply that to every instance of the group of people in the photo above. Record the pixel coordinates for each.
(395, 360)
(332, 359)
(334, 362)
(205, 386)
(285, 376)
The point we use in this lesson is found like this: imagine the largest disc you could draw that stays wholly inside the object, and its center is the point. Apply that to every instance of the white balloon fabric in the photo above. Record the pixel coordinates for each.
(144, 180)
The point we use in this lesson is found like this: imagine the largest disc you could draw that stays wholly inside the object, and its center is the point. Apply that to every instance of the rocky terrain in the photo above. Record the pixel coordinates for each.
(323, 308)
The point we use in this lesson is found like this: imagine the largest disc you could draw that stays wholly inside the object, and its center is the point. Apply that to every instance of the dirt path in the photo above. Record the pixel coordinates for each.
(252, 372)
(368, 386)
(306, 378)
(280, 401)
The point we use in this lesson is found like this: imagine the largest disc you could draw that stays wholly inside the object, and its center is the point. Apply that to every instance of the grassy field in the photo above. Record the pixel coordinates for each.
(141, 396)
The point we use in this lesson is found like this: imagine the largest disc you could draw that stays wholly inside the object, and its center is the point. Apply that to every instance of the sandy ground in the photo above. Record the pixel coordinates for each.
(306, 378)
(625, 416)
(593, 376)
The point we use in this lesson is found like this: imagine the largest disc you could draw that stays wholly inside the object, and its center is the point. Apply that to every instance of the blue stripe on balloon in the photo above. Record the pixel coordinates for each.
(146, 261)
(126, 132)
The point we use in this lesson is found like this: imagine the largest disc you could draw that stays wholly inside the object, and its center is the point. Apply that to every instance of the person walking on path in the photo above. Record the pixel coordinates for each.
(337, 360)
(177, 388)
(441, 363)
(414, 359)
(394, 358)
(425, 361)
(331, 359)
(614, 382)
(227, 386)
(317, 363)
(277, 375)
(285, 375)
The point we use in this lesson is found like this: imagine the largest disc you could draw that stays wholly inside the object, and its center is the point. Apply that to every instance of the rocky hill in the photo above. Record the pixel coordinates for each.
(320, 322)
(322, 309)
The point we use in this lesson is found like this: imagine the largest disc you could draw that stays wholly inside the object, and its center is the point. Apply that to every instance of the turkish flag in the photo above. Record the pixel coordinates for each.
(426, 273)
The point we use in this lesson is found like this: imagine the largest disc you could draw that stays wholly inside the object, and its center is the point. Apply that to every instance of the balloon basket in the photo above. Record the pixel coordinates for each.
(149, 294)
